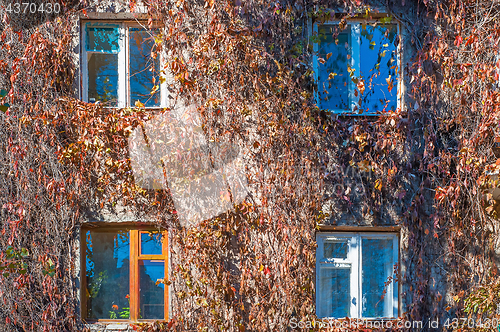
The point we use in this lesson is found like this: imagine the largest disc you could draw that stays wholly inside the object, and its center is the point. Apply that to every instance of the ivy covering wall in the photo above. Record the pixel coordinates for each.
(247, 66)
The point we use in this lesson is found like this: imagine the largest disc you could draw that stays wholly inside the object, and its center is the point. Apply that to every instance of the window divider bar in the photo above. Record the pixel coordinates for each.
(164, 93)
(83, 273)
(359, 266)
(352, 256)
(400, 76)
(355, 62)
(84, 64)
(150, 257)
(165, 257)
(123, 58)
(395, 284)
(315, 64)
(134, 275)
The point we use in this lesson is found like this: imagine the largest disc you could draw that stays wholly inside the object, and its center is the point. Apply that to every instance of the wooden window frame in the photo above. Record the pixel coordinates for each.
(354, 260)
(123, 62)
(134, 275)
(354, 62)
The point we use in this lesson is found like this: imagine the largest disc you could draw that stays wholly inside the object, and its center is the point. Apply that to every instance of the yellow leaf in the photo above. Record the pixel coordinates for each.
(139, 104)
(378, 184)
(328, 56)
(361, 86)
(332, 76)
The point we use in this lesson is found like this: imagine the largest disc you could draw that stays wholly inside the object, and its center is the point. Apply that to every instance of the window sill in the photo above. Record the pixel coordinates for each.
(121, 321)
(362, 319)
(152, 108)
(349, 114)
(110, 325)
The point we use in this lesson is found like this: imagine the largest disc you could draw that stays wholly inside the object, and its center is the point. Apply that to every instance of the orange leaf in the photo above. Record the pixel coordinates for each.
(361, 86)
(389, 83)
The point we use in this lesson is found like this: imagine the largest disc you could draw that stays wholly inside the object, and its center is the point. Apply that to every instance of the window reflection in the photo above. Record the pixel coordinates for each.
(152, 290)
(107, 274)
(151, 243)
(334, 293)
(378, 267)
(335, 249)
(144, 68)
(103, 45)
(103, 78)
(333, 75)
(103, 39)
(378, 65)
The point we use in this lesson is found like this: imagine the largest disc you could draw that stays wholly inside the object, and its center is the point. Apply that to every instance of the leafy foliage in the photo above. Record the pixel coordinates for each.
(247, 67)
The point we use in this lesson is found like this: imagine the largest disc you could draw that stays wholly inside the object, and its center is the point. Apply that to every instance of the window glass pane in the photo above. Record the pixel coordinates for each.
(151, 243)
(378, 66)
(335, 249)
(103, 78)
(144, 68)
(377, 267)
(333, 76)
(103, 39)
(334, 293)
(107, 274)
(152, 291)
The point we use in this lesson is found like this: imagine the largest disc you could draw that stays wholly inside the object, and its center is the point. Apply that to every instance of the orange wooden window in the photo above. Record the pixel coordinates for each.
(124, 274)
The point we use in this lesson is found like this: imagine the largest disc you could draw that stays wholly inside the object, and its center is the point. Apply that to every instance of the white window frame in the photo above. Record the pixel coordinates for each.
(123, 60)
(354, 261)
(355, 64)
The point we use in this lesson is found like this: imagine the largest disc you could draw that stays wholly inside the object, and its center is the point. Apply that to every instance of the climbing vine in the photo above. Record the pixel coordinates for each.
(247, 67)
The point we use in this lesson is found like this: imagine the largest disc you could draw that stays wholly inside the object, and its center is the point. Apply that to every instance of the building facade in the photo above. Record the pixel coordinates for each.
(241, 166)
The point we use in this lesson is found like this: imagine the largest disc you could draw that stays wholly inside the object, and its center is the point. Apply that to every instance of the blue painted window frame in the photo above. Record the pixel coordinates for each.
(354, 63)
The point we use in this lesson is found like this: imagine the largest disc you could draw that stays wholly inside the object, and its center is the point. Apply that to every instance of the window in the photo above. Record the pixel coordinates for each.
(124, 274)
(356, 67)
(121, 65)
(355, 275)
